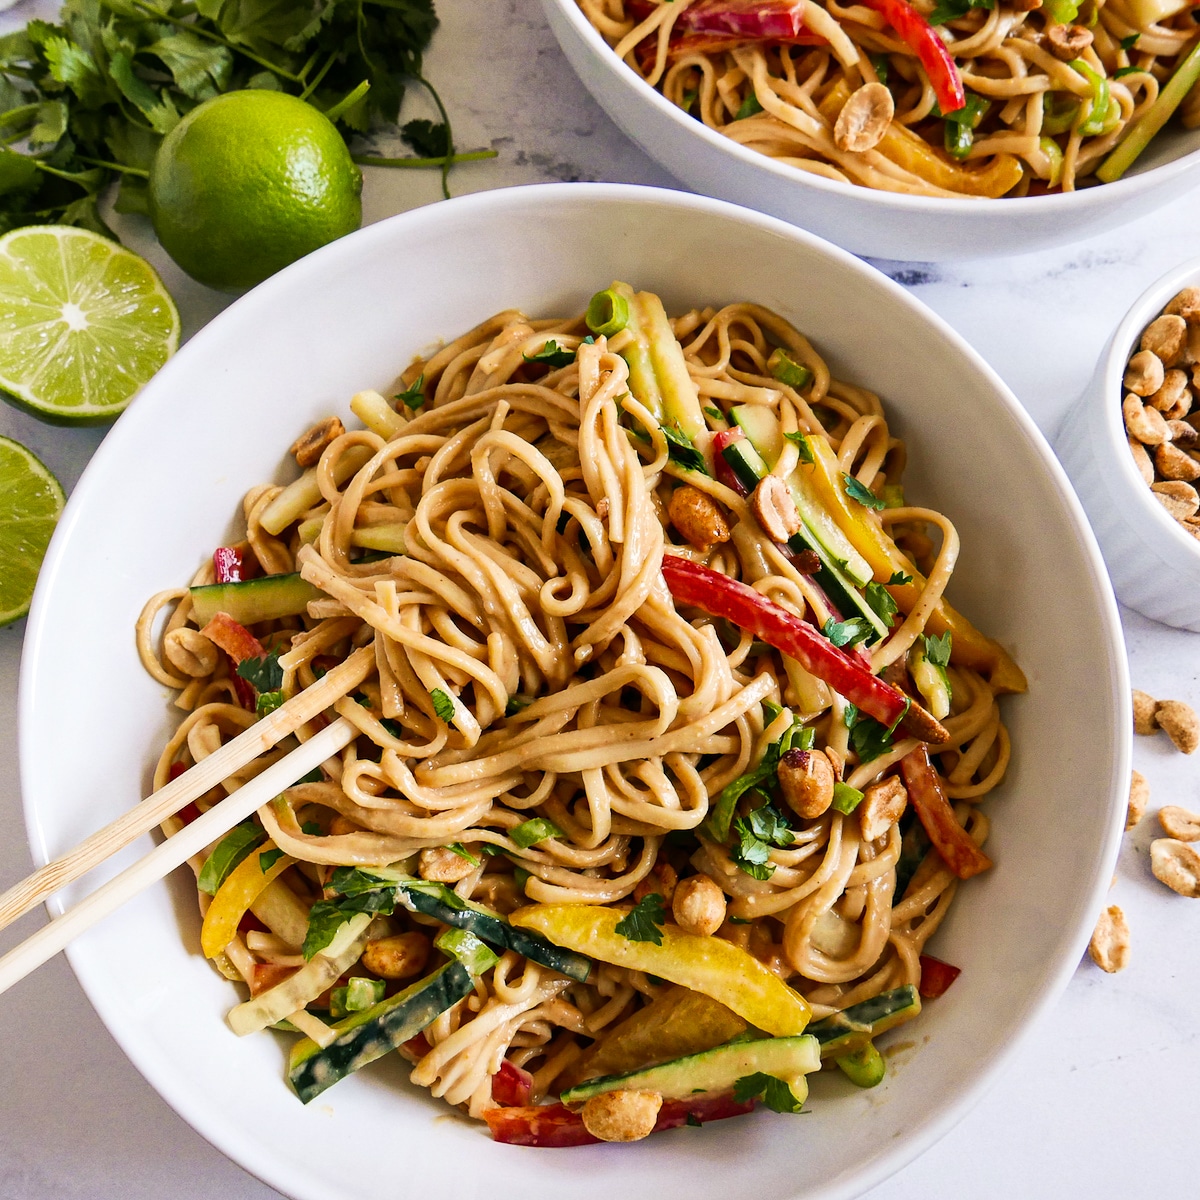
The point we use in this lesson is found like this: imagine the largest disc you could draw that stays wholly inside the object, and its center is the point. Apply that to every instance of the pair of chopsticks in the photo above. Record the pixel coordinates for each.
(190, 840)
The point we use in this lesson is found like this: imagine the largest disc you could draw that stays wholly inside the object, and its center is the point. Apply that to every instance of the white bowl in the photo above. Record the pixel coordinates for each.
(163, 488)
(865, 221)
(1154, 564)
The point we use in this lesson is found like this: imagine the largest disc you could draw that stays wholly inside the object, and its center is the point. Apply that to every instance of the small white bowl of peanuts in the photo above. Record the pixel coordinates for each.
(1131, 446)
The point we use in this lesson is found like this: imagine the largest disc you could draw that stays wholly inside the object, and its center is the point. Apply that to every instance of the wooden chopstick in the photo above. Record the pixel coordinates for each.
(207, 774)
(191, 839)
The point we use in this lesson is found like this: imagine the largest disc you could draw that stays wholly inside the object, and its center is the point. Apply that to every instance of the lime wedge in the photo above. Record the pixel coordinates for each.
(31, 500)
(83, 323)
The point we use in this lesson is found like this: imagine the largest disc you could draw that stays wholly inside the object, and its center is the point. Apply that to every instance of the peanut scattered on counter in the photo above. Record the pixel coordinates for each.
(1175, 718)
(1109, 946)
(1163, 431)
(1139, 795)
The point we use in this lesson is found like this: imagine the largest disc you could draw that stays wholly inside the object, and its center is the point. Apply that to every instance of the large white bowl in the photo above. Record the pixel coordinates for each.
(1154, 563)
(874, 223)
(161, 491)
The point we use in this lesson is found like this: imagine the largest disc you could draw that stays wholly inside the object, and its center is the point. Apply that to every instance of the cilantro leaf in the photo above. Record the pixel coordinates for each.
(848, 633)
(443, 706)
(267, 702)
(868, 738)
(535, 830)
(312, 829)
(517, 703)
(552, 355)
(326, 917)
(748, 108)
(937, 649)
(644, 920)
(268, 858)
(899, 578)
(756, 833)
(715, 413)
(462, 852)
(776, 1094)
(263, 674)
(880, 599)
(953, 10)
(802, 442)
(427, 139)
(860, 492)
(413, 397)
(1128, 43)
(227, 853)
(682, 451)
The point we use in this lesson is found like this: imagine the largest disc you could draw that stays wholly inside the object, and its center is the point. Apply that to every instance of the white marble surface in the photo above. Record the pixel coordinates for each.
(1102, 1100)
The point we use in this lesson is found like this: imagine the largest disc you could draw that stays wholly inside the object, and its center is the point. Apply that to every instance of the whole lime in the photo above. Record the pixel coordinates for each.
(248, 182)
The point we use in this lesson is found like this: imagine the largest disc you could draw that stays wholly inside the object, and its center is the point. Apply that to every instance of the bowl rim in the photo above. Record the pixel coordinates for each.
(1060, 204)
(1111, 394)
(236, 1144)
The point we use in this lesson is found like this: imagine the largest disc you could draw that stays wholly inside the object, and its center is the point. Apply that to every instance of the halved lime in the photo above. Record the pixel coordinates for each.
(83, 323)
(31, 500)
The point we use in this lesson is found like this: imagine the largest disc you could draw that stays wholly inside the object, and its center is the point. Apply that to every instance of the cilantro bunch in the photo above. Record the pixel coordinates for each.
(86, 102)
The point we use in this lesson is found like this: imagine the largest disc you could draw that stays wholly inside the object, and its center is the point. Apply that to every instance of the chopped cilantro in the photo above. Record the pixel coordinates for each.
(535, 830)
(1128, 43)
(326, 917)
(263, 674)
(644, 921)
(848, 633)
(462, 852)
(860, 492)
(846, 798)
(268, 858)
(443, 706)
(521, 876)
(748, 107)
(517, 703)
(413, 397)
(715, 413)
(899, 578)
(312, 829)
(776, 1094)
(937, 649)
(880, 63)
(267, 702)
(551, 355)
(868, 737)
(228, 852)
(802, 443)
(953, 10)
(881, 601)
(425, 138)
(756, 833)
(682, 451)
(391, 727)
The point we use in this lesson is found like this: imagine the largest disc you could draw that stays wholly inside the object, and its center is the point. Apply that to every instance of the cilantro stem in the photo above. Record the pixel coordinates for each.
(349, 100)
(449, 132)
(371, 160)
(316, 83)
(41, 166)
(112, 166)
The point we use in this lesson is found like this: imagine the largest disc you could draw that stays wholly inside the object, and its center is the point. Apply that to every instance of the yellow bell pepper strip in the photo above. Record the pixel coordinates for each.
(910, 151)
(969, 647)
(705, 964)
(243, 885)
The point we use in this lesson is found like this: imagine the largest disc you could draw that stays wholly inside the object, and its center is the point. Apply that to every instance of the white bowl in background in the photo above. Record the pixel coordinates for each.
(1154, 564)
(874, 223)
(164, 488)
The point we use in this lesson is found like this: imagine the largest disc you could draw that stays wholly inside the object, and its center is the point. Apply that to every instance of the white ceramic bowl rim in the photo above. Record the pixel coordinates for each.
(1126, 337)
(420, 223)
(1065, 203)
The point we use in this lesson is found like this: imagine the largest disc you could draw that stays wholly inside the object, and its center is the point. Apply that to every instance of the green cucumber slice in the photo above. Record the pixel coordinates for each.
(252, 600)
(717, 1070)
(846, 1031)
(365, 1036)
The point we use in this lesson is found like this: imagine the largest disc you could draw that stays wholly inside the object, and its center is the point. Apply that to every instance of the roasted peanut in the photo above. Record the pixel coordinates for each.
(1173, 463)
(1109, 946)
(1180, 723)
(1142, 460)
(310, 445)
(1173, 399)
(1180, 824)
(1186, 304)
(1177, 865)
(397, 957)
(1145, 374)
(190, 652)
(775, 509)
(1165, 337)
(1145, 424)
(698, 906)
(1178, 498)
(882, 805)
(624, 1115)
(1139, 796)
(1184, 435)
(1143, 713)
(864, 118)
(441, 865)
(806, 779)
(1067, 41)
(662, 880)
(697, 517)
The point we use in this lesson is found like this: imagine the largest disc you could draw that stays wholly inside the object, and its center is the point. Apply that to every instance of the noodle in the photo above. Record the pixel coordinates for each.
(1046, 100)
(546, 724)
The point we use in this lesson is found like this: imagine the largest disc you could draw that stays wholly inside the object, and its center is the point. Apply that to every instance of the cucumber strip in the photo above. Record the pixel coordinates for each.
(863, 1066)
(305, 493)
(283, 913)
(307, 984)
(365, 1036)
(377, 414)
(252, 600)
(717, 1070)
(642, 381)
(845, 1031)
(681, 401)
(438, 901)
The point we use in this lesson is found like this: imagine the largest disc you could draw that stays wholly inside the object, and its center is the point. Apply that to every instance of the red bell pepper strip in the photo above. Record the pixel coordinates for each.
(511, 1085)
(936, 976)
(931, 52)
(721, 596)
(228, 564)
(725, 473)
(949, 838)
(239, 643)
(555, 1125)
(757, 19)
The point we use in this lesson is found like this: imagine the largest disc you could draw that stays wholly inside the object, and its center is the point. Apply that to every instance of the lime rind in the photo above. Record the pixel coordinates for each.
(84, 324)
(31, 501)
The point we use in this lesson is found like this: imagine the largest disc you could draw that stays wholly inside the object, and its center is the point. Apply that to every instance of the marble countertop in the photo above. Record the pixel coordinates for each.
(1101, 1101)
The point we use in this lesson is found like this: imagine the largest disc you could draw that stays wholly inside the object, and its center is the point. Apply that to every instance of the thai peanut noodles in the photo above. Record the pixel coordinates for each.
(568, 557)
